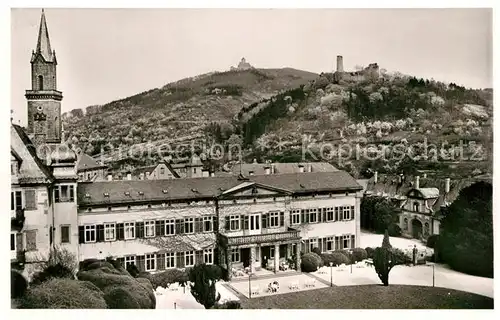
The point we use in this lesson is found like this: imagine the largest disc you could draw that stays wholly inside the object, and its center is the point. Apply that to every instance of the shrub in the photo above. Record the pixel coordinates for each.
(336, 258)
(359, 254)
(165, 278)
(119, 298)
(432, 241)
(18, 284)
(310, 262)
(132, 270)
(346, 253)
(232, 304)
(52, 271)
(317, 251)
(108, 280)
(63, 294)
(370, 252)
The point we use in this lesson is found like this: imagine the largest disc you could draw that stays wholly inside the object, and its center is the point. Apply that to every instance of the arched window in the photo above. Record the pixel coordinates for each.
(405, 226)
(416, 206)
(40, 82)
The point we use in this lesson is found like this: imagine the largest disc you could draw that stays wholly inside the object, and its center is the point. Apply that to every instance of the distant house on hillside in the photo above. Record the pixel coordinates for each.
(419, 199)
(170, 169)
(89, 169)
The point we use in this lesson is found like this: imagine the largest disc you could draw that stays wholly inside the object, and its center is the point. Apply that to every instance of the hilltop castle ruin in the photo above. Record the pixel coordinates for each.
(370, 72)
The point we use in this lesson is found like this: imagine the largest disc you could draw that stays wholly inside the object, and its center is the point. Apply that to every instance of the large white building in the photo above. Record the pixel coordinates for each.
(248, 220)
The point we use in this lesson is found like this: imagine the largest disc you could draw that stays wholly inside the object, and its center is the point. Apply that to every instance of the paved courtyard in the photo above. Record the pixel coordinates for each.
(259, 286)
(183, 299)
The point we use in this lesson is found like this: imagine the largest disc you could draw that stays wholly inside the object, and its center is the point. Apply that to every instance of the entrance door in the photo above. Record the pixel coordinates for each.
(416, 228)
(254, 223)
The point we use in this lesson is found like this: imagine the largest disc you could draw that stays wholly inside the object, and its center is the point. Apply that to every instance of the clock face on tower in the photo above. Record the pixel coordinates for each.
(39, 108)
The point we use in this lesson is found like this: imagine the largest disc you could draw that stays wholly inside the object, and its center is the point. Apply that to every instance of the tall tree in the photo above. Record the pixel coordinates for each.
(387, 257)
(466, 237)
(203, 280)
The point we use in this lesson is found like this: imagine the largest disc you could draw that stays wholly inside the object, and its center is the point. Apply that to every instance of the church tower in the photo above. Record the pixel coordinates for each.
(44, 101)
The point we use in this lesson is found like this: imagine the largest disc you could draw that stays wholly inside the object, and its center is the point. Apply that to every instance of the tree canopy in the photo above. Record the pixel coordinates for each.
(466, 237)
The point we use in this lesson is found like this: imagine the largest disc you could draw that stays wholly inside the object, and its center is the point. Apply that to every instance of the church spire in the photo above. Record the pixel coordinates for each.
(43, 45)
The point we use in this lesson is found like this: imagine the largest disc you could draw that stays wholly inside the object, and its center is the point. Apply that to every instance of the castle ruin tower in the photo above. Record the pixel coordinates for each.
(44, 101)
(340, 64)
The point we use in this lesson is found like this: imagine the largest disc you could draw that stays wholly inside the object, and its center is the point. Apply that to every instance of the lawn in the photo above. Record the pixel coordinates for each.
(372, 297)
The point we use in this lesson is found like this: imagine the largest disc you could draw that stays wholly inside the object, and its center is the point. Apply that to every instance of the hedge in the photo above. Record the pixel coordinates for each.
(167, 277)
(432, 241)
(108, 280)
(336, 258)
(59, 293)
(359, 254)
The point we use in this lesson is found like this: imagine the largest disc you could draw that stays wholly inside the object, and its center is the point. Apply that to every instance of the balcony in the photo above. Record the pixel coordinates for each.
(17, 219)
(291, 234)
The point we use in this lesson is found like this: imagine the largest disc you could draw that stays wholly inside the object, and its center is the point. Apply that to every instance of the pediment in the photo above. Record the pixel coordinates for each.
(252, 189)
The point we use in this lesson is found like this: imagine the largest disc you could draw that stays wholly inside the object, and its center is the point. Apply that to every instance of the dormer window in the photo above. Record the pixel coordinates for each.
(141, 193)
(87, 195)
(127, 193)
(194, 190)
(106, 195)
(165, 191)
(250, 173)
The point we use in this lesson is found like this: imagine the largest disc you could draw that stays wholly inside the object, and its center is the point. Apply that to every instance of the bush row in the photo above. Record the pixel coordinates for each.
(310, 262)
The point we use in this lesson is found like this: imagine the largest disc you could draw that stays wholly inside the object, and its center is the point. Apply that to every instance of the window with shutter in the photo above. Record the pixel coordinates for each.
(307, 246)
(302, 216)
(19, 242)
(160, 260)
(141, 263)
(19, 200)
(337, 214)
(180, 260)
(71, 193)
(81, 234)
(140, 229)
(100, 233)
(264, 221)
(30, 240)
(179, 226)
(352, 212)
(12, 201)
(245, 222)
(199, 257)
(227, 224)
(353, 244)
(56, 194)
(120, 232)
(337, 243)
(30, 196)
(198, 225)
(324, 215)
(282, 218)
(160, 228)
(216, 223)
(320, 244)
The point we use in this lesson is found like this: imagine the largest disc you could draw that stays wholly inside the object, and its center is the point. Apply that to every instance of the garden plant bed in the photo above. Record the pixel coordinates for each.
(372, 297)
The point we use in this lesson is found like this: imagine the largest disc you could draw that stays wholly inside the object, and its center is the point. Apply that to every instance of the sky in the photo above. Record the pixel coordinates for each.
(109, 54)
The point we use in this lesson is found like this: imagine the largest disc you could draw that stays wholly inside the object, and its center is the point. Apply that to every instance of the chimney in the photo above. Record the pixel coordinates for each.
(417, 182)
(340, 64)
(301, 168)
(129, 176)
(110, 177)
(375, 177)
(267, 170)
(447, 185)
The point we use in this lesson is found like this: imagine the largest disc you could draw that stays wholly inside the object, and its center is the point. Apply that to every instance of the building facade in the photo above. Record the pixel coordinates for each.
(263, 221)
